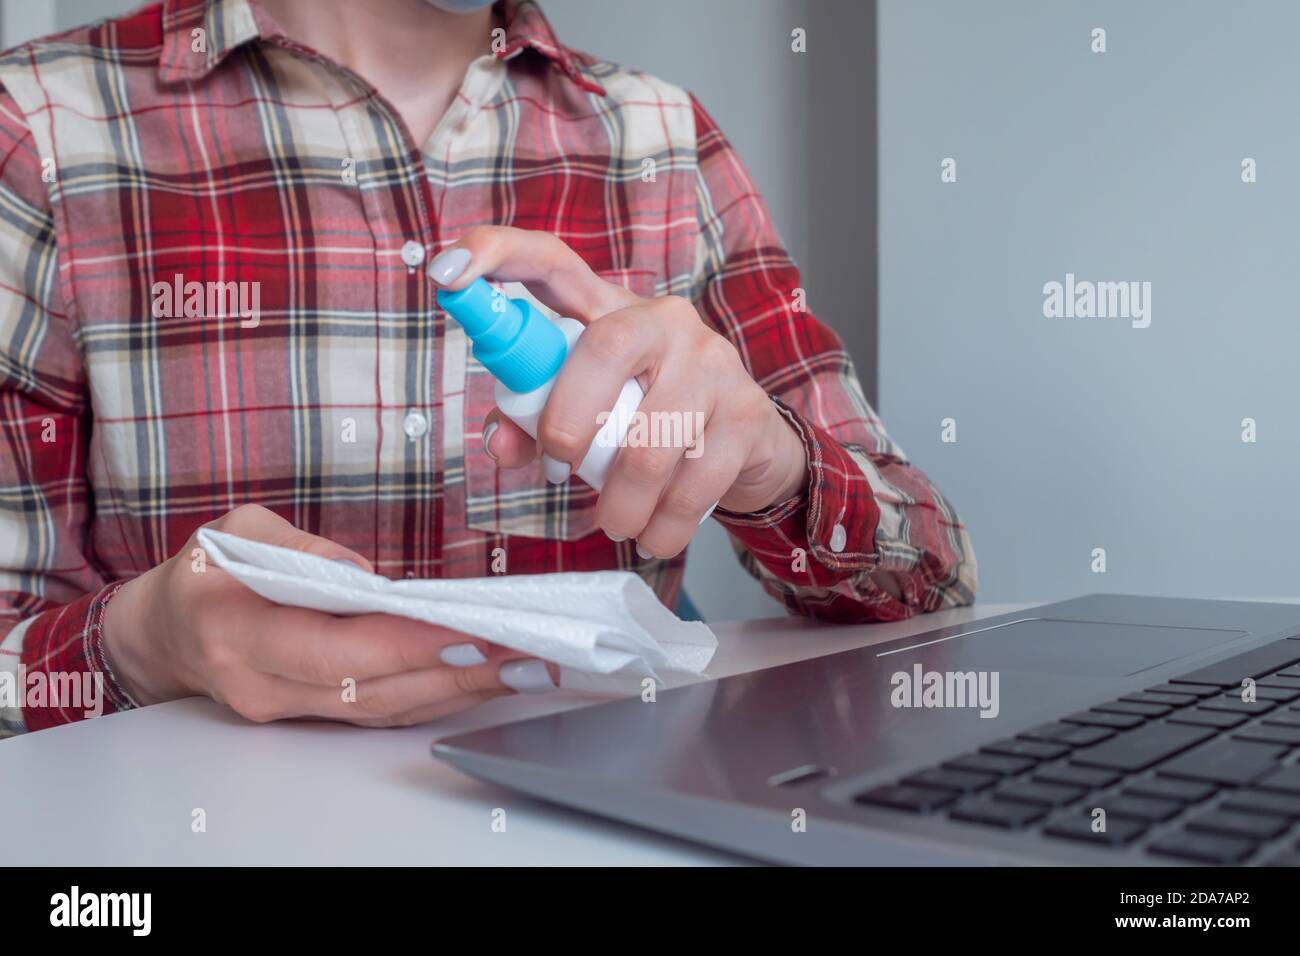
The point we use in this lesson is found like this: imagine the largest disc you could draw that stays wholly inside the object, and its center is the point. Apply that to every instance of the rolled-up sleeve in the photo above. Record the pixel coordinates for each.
(52, 596)
(871, 537)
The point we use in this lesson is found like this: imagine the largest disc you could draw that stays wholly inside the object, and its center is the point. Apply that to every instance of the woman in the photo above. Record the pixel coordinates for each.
(226, 223)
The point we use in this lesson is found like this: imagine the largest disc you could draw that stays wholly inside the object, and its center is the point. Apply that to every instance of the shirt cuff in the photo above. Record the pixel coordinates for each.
(67, 675)
(825, 534)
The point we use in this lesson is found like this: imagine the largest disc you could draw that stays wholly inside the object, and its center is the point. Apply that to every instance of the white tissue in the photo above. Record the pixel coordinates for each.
(606, 629)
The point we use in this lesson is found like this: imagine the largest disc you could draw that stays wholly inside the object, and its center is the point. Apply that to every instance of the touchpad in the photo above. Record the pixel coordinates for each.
(1082, 648)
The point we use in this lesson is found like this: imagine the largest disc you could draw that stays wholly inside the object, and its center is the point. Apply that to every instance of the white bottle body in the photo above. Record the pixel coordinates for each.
(525, 409)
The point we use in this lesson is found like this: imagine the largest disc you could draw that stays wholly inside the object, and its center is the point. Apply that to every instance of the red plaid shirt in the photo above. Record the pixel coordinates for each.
(195, 140)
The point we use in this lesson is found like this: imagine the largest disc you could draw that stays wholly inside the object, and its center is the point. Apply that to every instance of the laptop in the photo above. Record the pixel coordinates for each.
(1105, 730)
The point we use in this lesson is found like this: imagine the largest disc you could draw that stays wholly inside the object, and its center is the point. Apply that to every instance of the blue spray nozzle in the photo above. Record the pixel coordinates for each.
(516, 343)
(478, 307)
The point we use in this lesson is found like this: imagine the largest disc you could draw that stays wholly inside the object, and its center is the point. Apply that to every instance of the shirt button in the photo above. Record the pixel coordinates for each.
(839, 538)
(412, 253)
(415, 425)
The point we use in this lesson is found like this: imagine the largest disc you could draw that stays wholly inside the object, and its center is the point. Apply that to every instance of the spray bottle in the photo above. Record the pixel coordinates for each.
(524, 350)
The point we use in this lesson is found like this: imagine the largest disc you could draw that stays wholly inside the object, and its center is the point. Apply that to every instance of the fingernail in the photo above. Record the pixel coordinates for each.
(643, 553)
(615, 537)
(448, 265)
(462, 655)
(557, 472)
(527, 677)
(487, 439)
(349, 562)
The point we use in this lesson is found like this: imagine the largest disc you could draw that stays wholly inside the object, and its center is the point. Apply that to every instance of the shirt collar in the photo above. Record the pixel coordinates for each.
(189, 55)
(528, 29)
(199, 34)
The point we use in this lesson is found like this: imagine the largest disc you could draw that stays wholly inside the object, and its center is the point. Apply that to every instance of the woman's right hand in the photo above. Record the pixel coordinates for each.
(177, 632)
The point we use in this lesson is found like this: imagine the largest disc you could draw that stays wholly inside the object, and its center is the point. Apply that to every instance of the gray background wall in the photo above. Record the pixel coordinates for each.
(804, 123)
(1077, 434)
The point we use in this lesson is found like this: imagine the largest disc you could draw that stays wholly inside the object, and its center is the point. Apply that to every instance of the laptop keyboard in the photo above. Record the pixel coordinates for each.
(1185, 770)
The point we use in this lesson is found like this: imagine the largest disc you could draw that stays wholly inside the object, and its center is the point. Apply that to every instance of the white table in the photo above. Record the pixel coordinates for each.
(121, 789)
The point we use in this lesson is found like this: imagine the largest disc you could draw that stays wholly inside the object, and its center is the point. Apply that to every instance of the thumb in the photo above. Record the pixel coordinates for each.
(261, 524)
(506, 443)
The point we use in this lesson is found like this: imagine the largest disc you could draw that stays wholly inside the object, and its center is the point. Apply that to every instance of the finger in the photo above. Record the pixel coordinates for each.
(429, 712)
(261, 524)
(438, 709)
(506, 443)
(266, 697)
(553, 272)
(616, 348)
(703, 476)
(324, 650)
(672, 416)
(385, 698)
(385, 701)
(433, 711)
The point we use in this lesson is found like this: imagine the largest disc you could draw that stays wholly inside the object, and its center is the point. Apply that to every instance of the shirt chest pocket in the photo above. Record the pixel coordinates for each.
(520, 501)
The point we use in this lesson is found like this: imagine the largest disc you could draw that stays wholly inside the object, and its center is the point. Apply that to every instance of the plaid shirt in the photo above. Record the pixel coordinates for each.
(141, 151)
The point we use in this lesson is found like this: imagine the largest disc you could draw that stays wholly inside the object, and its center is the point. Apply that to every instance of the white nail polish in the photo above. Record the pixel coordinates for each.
(448, 265)
(557, 472)
(487, 439)
(462, 655)
(349, 563)
(527, 677)
(643, 554)
(615, 537)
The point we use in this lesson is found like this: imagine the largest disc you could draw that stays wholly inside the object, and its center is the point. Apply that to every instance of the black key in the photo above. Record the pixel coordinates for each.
(1085, 736)
(1261, 801)
(1048, 794)
(961, 781)
(1141, 748)
(1090, 777)
(1078, 826)
(1281, 695)
(1287, 780)
(1007, 814)
(1203, 847)
(1146, 809)
(1289, 683)
(1270, 734)
(913, 799)
(1256, 663)
(1284, 718)
(1045, 731)
(1168, 788)
(1137, 710)
(1285, 858)
(1288, 672)
(1252, 826)
(991, 763)
(1233, 704)
(1194, 690)
(1069, 734)
(1033, 749)
(1208, 718)
(1233, 763)
(1164, 698)
(1098, 719)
